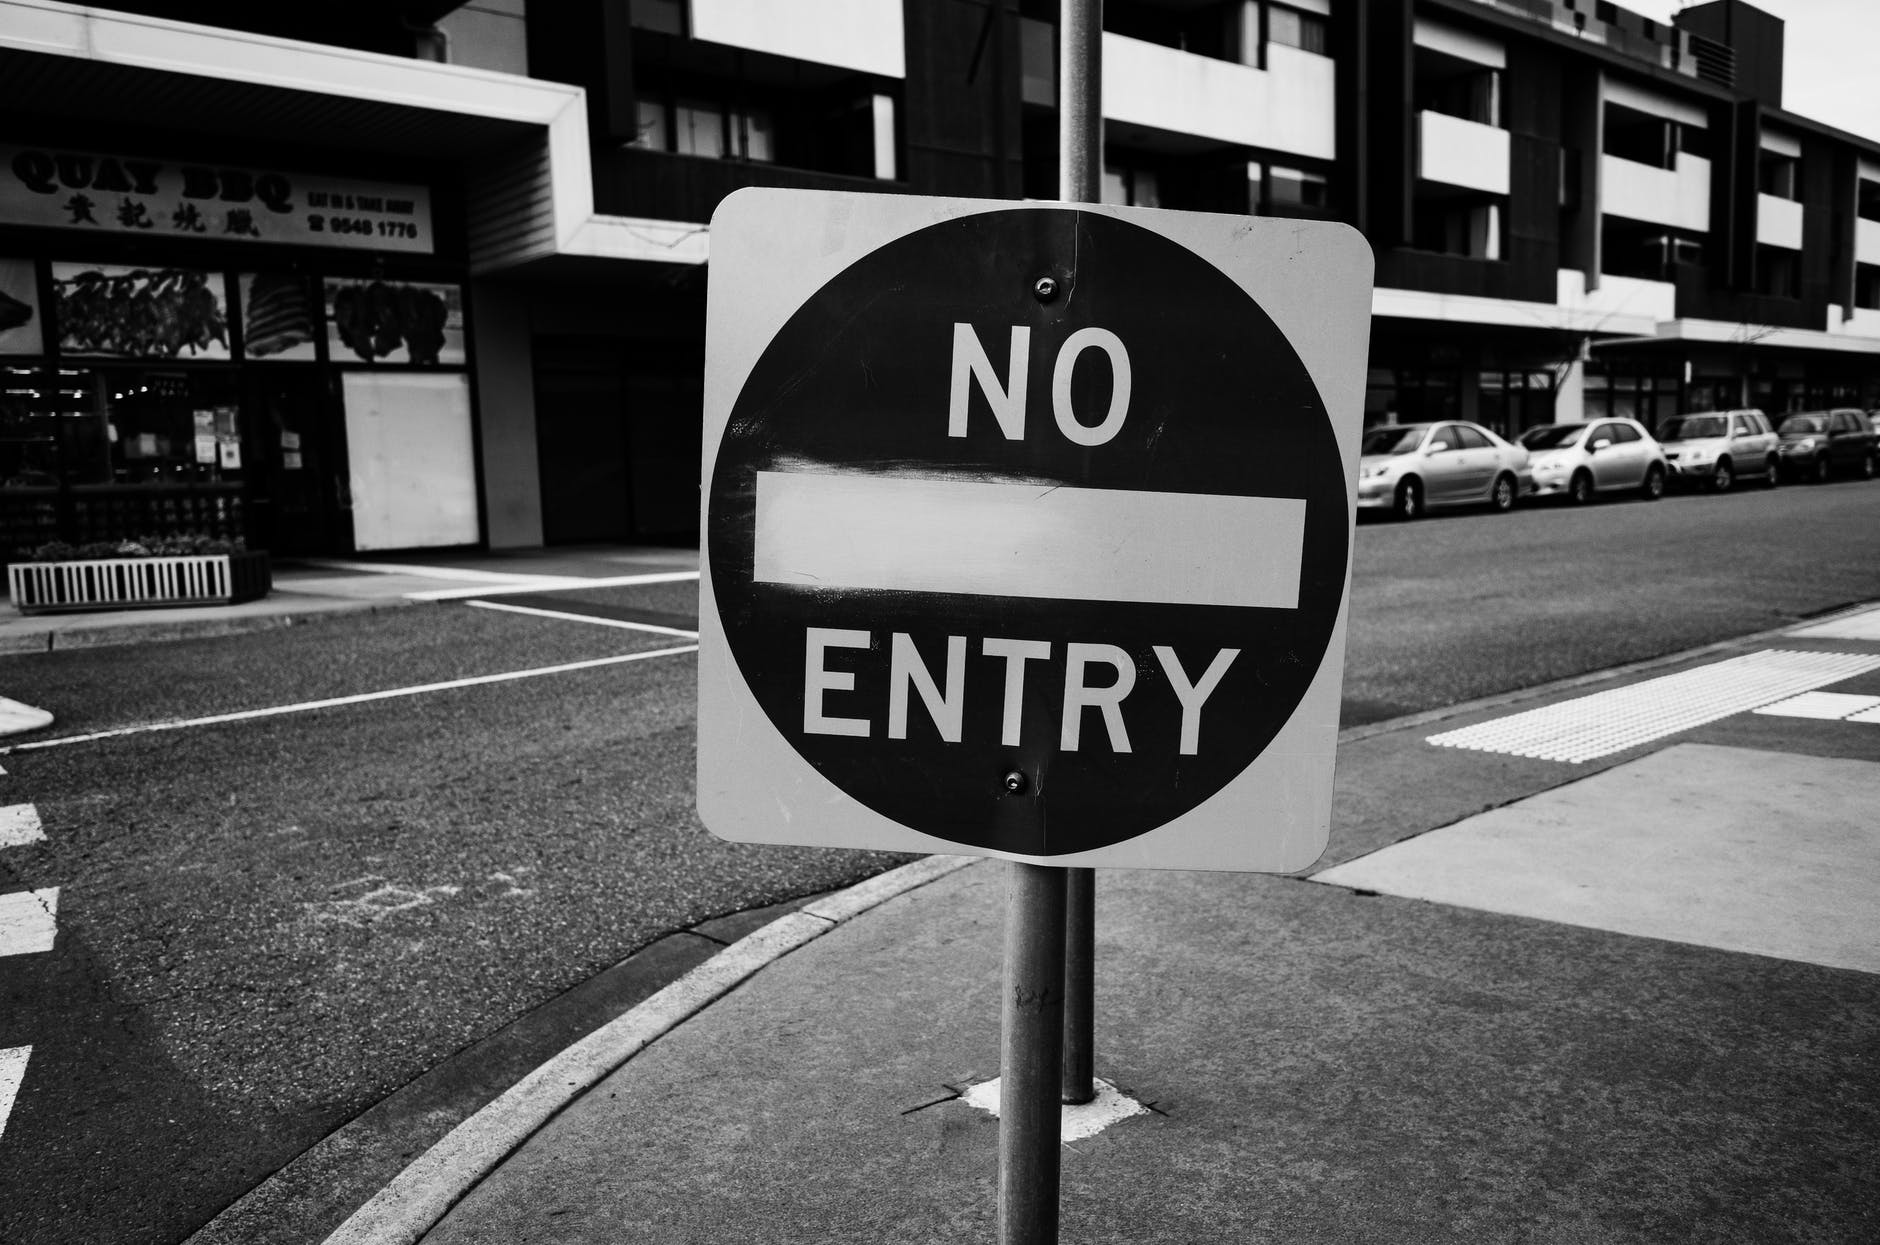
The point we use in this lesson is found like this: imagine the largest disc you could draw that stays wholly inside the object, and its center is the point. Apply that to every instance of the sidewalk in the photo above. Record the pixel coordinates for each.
(1643, 1005)
(306, 590)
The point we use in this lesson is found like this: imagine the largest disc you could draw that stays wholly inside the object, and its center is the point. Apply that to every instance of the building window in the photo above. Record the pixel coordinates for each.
(1776, 273)
(1292, 192)
(694, 127)
(667, 17)
(1640, 137)
(1468, 228)
(1867, 200)
(1294, 29)
(1132, 187)
(1779, 175)
(1867, 286)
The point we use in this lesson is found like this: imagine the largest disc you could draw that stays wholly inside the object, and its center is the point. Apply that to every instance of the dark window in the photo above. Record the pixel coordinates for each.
(1867, 286)
(1867, 199)
(1623, 432)
(1640, 137)
(1470, 439)
(1777, 272)
(1779, 175)
(665, 16)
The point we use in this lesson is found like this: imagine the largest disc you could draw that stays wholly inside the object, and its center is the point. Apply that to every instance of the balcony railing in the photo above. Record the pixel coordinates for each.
(1679, 197)
(1462, 153)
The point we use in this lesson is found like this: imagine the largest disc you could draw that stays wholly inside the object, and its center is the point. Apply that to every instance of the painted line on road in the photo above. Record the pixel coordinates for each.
(432, 572)
(19, 825)
(29, 921)
(621, 623)
(421, 1195)
(12, 1071)
(335, 702)
(555, 585)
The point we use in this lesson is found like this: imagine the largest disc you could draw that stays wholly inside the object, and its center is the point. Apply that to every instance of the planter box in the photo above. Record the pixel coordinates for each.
(134, 583)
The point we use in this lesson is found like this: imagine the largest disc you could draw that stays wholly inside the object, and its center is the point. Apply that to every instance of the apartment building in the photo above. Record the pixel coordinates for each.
(357, 276)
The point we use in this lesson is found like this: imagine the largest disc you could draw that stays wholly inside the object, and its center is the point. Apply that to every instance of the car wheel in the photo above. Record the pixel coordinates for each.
(1501, 497)
(1409, 500)
(1654, 486)
(1580, 488)
(1821, 469)
(1772, 475)
(1868, 468)
(1722, 476)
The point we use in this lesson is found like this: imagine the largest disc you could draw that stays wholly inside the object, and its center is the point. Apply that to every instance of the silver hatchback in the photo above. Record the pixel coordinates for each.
(1577, 461)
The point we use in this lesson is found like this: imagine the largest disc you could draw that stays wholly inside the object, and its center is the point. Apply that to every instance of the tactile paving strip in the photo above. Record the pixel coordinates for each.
(1625, 717)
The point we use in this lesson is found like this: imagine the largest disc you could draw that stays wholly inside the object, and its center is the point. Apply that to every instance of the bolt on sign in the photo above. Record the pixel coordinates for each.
(1027, 528)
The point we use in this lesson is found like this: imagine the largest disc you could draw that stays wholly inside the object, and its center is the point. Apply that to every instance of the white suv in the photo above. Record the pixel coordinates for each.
(1716, 448)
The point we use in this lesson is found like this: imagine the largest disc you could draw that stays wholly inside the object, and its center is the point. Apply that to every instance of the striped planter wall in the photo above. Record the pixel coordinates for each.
(128, 583)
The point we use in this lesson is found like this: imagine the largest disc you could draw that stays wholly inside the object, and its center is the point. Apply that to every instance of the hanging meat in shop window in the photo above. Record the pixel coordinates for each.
(13, 312)
(277, 315)
(376, 319)
(140, 312)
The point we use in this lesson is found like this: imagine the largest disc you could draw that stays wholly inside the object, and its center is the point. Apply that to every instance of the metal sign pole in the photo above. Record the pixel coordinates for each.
(1033, 1019)
(1080, 169)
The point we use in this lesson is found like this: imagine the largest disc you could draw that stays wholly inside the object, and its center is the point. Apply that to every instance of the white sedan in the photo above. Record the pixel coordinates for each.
(1409, 468)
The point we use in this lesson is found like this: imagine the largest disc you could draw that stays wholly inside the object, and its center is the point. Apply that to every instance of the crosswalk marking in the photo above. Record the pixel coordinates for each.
(19, 825)
(12, 1070)
(1612, 721)
(1826, 706)
(29, 921)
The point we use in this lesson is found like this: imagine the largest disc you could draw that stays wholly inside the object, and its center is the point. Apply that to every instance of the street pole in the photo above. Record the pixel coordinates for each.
(1080, 170)
(1033, 1028)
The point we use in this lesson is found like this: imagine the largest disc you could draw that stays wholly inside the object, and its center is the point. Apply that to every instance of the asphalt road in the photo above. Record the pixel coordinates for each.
(266, 926)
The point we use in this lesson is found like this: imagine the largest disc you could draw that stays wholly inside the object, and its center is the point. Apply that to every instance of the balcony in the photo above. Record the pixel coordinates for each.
(1866, 241)
(1679, 197)
(1289, 106)
(1779, 222)
(1467, 154)
(864, 35)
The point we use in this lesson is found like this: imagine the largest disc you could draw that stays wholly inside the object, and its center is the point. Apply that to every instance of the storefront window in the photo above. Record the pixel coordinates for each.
(154, 427)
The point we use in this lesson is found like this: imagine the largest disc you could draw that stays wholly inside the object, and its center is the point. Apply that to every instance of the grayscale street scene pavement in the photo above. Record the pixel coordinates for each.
(873, 622)
(1620, 999)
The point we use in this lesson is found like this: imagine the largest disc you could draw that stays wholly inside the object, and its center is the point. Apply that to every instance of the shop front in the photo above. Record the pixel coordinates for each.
(232, 350)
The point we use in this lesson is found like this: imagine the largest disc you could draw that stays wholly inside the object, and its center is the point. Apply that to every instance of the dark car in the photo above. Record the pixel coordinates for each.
(1817, 444)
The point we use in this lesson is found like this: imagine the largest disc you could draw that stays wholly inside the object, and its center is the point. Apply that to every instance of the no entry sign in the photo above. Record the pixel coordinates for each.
(1026, 528)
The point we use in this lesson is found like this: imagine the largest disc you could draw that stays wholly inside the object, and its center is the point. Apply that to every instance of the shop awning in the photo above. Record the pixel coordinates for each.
(1672, 335)
(521, 144)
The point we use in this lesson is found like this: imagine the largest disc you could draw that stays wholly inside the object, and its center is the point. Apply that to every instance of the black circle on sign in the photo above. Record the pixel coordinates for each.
(857, 382)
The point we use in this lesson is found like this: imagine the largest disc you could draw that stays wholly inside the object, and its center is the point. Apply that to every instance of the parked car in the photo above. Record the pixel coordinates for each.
(1816, 444)
(1575, 461)
(1716, 448)
(1408, 468)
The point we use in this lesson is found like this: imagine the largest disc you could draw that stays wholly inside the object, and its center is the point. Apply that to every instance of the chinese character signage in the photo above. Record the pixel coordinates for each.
(52, 188)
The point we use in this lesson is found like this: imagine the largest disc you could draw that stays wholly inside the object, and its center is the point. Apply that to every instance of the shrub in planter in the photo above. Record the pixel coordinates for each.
(185, 569)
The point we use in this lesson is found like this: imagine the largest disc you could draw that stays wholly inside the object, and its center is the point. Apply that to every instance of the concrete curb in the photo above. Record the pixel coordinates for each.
(157, 630)
(421, 1195)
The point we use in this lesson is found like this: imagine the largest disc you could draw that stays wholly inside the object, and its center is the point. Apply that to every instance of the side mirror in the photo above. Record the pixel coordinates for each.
(1436, 447)
(1601, 444)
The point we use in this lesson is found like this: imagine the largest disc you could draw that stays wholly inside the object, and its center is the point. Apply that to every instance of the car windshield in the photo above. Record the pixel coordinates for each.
(1691, 427)
(1552, 436)
(1803, 423)
(1392, 440)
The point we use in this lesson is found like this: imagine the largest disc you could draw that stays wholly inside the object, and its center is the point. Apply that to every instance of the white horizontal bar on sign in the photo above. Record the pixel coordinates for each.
(1045, 541)
(1029, 540)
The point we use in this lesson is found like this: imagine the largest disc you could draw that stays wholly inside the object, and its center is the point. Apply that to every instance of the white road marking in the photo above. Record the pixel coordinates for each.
(1075, 1122)
(549, 585)
(362, 698)
(435, 572)
(29, 921)
(1611, 721)
(1862, 626)
(19, 825)
(1054, 542)
(12, 1071)
(1826, 706)
(585, 618)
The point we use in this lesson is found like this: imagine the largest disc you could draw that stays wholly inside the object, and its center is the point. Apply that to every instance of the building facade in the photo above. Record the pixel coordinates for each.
(355, 276)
